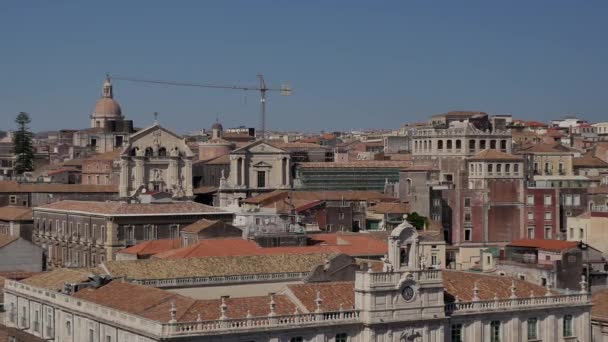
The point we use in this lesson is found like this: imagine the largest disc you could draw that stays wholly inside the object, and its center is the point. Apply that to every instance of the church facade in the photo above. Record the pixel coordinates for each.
(156, 160)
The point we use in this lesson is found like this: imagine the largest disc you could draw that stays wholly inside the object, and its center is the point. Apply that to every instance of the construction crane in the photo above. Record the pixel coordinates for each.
(285, 90)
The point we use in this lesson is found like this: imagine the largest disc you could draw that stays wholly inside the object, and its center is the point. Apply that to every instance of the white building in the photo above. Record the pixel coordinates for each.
(405, 301)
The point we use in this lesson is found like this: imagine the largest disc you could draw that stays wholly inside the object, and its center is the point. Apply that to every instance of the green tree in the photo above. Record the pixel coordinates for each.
(416, 220)
(23, 148)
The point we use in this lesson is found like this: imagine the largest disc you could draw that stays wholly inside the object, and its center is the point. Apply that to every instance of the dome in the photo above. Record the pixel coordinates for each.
(107, 107)
(217, 126)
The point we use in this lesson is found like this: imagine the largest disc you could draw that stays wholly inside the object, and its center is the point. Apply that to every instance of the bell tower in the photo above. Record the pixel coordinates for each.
(406, 292)
(106, 89)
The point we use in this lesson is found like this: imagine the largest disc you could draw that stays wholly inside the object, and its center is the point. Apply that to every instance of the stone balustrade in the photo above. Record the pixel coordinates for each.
(379, 279)
(266, 322)
(219, 280)
(515, 303)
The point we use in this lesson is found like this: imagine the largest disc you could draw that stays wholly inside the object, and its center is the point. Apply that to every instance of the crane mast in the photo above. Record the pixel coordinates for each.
(285, 90)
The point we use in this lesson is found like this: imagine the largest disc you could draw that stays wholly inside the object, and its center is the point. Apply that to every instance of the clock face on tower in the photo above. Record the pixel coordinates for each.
(408, 293)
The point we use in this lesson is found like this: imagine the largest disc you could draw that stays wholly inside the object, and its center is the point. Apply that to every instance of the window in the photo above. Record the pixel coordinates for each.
(433, 259)
(13, 199)
(261, 179)
(498, 169)
(516, 169)
(567, 326)
(576, 200)
(530, 232)
(68, 328)
(535, 168)
(546, 168)
(530, 215)
(567, 199)
(467, 217)
(174, 231)
(581, 233)
(36, 321)
(296, 339)
(495, 331)
(91, 335)
(530, 200)
(507, 169)
(456, 333)
(548, 232)
(532, 333)
(547, 216)
(490, 169)
(571, 233)
(342, 337)
(467, 234)
(548, 200)
(341, 216)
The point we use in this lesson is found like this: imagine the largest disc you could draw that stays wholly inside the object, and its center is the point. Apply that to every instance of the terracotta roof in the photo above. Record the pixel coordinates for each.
(535, 124)
(7, 240)
(214, 266)
(335, 295)
(155, 304)
(588, 160)
(398, 156)
(372, 164)
(221, 160)
(14, 187)
(598, 190)
(203, 224)
(56, 279)
(152, 247)
(548, 245)
(126, 209)
(112, 155)
(62, 170)
(459, 284)
(600, 305)
(545, 148)
(494, 155)
(337, 195)
(353, 245)
(15, 213)
(391, 208)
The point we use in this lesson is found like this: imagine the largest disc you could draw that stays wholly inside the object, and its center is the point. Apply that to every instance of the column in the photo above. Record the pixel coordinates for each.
(244, 180)
(139, 172)
(172, 173)
(188, 177)
(124, 177)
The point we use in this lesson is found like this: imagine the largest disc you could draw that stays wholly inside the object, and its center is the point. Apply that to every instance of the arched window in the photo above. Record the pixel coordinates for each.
(449, 144)
(149, 152)
(440, 144)
(458, 144)
(482, 144)
(493, 144)
(471, 145)
(133, 151)
(408, 183)
(162, 152)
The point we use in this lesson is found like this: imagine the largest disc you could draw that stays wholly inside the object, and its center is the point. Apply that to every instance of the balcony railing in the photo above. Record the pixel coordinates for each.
(265, 322)
(515, 303)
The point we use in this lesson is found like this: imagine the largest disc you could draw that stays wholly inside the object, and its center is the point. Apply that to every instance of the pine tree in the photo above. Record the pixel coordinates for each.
(23, 148)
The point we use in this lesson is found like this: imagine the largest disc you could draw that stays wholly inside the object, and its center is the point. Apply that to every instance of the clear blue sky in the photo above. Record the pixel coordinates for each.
(352, 64)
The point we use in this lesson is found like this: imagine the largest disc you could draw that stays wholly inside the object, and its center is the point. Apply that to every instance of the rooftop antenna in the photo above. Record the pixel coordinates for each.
(284, 90)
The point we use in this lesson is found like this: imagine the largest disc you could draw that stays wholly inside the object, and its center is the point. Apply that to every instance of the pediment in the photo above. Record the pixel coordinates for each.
(261, 164)
(259, 147)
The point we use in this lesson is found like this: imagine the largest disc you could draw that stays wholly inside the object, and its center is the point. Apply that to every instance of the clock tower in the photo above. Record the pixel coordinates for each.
(405, 300)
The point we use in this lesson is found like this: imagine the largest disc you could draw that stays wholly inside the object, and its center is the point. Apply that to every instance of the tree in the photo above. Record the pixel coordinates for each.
(23, 148)
(416, 220)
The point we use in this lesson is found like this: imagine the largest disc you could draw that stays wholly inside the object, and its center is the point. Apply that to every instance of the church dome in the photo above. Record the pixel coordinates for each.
(107, 107)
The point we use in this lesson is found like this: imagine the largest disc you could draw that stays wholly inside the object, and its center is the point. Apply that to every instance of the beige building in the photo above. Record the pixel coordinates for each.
(156, 159)
(549, 159)
(255, 169)
(590, 228)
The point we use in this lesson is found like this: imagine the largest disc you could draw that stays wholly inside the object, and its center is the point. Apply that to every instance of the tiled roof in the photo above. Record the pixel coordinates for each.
(124, 209)
(56, 279)
(589, 160)
(155, 304)
(598, 190)
(334, 295)
(391, 208)
(214, 266)
(546, 148)
(459, 284)
(152, 247)
(350, 244)
(600, 304)
(351, 195)
(7, 240)
(112, 155)
(548, 245)
(203, 224)
(371, 164)
(15, 213)
(494, 155)
(14, 187)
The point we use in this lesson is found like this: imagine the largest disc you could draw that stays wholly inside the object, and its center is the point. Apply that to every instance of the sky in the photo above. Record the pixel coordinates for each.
(352, 64)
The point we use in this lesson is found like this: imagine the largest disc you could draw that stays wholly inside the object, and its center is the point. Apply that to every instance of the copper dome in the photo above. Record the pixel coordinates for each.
(107, 107)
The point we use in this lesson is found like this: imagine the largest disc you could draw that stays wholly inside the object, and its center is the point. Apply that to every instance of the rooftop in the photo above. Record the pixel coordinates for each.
(15, 213)
(130, 209)
(152, 247)
(370, 164)
(548, 245)
(7, 240)
(546, 148)
(56, 279)
(600, 305)
(14, 187)
(494, 155)
(350, 195)
(390, 208)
